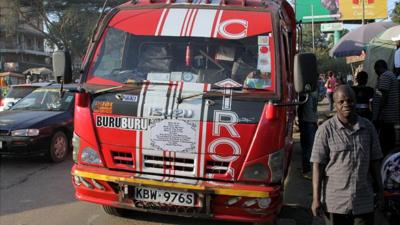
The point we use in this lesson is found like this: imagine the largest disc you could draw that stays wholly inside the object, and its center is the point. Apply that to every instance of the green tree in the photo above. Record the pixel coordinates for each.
(66, 24)
(11, 21)
(322, 44)
(395, 15)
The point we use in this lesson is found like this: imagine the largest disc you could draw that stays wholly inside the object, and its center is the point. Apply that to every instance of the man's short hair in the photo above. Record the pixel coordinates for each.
(381, 64)
(344, 88)
(362, 77)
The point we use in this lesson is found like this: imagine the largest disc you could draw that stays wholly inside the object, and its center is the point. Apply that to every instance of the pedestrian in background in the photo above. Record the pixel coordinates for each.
(321, 87)
(397, 59)
(330, 86)
(28, 79)
(308, 118)
(345, 154)
(3, 86)
(386, 106)
(364, 95)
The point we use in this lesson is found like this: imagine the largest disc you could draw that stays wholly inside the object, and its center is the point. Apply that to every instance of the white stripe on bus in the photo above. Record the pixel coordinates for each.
(204, 23)
(161, 22)
(191, 22)
(174, 22)
(217, 23)
(186, 20)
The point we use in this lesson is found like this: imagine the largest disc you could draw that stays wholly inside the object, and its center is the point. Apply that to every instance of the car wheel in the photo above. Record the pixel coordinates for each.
(58, 147)
(115, 211)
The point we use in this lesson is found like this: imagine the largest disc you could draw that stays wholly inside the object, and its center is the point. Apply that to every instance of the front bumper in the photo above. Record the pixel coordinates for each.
(217, 200)
(24, 146)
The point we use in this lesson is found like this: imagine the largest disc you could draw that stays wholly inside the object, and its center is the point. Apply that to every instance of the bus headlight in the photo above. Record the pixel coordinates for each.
(90, 156)
(257, 172)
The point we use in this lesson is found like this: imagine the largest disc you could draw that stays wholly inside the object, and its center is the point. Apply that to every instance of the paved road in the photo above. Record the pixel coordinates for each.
(35, 192)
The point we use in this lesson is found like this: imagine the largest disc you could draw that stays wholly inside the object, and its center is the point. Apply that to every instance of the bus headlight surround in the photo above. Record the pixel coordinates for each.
(91, 156)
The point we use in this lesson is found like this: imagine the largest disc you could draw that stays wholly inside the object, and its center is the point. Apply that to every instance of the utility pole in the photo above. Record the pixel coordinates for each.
(312, 28)
(363, 12)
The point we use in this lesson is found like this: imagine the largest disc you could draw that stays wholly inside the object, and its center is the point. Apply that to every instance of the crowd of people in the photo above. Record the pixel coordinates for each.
(344, 154)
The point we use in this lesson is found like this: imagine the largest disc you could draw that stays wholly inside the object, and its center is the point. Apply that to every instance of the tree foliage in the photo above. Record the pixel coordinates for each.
(395, 15)
(322, 44)
(66, 24)
(11, 22)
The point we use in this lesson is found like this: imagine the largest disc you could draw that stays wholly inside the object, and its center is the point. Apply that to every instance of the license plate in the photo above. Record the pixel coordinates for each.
(164, 196)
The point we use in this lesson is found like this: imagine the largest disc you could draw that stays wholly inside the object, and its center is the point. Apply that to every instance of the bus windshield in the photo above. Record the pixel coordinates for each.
(123, 57)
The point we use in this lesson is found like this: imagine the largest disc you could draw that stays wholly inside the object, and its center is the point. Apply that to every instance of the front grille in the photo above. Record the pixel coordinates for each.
(171, 209)
(169, 163)
(217, 167)
(4, 132)
(124, 158)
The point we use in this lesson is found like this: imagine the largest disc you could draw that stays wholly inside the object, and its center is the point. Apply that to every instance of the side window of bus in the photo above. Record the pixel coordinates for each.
(286, 51)
(291, 49)
(111, 54)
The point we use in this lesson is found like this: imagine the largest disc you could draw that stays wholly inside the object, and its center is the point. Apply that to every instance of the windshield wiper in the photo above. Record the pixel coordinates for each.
(140, 82)
(216, 93)
(239, 88)
(105, 90)
(180, 98)
(95, 92)
(120, 87)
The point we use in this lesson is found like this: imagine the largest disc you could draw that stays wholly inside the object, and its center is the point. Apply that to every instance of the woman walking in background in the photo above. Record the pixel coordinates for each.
(330, 88)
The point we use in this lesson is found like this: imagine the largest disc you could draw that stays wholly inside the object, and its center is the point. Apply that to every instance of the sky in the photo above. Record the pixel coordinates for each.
(390, 5)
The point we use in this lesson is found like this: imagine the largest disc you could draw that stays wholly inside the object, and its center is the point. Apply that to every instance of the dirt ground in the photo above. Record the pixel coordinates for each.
(298, 190)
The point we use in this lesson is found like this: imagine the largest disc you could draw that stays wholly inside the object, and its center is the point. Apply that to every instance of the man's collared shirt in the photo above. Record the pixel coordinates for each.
(346, 154)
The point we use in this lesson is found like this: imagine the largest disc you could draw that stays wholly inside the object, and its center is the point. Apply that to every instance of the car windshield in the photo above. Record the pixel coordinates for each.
(20, 91)
(45, 99)
(124, 58)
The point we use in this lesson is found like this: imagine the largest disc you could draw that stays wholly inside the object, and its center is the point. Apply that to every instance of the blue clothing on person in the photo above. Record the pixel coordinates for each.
(257, 83)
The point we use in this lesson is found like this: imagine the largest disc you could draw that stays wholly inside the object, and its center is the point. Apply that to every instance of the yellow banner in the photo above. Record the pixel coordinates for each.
(353, 9)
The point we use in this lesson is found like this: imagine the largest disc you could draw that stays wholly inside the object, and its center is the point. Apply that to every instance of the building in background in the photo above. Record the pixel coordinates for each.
(21, 46)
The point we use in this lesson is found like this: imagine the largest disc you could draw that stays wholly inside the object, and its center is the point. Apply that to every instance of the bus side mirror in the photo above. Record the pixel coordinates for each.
(62, 66)
(305, 72)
